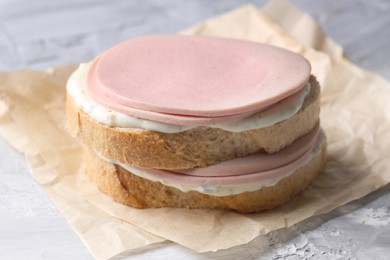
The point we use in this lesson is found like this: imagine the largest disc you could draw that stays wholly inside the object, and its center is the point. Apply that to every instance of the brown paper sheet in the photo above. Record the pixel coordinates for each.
(32, 120)
(354, 113)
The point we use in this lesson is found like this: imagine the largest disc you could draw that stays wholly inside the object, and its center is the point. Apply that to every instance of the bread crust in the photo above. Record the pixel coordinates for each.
(129, 189)
(197, 147)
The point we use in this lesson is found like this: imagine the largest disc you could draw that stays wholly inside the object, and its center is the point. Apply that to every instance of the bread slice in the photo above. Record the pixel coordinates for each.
(197, 147)
(134, 191)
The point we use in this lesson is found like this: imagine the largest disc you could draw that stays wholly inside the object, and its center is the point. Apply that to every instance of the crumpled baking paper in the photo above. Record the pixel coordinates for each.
(355, 114)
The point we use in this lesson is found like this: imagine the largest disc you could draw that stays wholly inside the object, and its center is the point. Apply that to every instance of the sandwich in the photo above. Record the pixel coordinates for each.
(197, 122)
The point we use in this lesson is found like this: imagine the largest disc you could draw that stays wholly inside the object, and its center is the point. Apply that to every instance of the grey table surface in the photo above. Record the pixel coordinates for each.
(39, 34)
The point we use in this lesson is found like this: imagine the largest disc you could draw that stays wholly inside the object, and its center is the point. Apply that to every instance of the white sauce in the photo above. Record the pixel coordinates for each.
(220, 190)
(76, 88)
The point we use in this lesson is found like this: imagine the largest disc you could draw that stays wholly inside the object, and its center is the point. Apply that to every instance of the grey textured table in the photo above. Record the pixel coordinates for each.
(39, 34)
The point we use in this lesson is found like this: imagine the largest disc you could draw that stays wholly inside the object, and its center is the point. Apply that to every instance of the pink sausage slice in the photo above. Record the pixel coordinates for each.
(259, 162)
(264, 168)
(194, 76)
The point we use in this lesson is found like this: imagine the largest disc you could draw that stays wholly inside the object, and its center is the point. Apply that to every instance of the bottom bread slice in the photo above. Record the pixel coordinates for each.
(129, 189)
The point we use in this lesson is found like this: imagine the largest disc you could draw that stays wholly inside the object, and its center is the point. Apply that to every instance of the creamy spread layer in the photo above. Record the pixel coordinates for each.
(242, 180)
(76, 88)
(194, 80)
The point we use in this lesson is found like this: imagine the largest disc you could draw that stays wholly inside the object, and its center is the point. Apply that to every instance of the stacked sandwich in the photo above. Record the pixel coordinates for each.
(197, 122)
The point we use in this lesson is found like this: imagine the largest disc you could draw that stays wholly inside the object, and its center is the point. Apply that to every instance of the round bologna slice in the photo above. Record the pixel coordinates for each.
(195, 76)
(257, 162)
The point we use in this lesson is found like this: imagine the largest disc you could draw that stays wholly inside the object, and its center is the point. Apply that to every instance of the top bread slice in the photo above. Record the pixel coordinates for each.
(198, 147)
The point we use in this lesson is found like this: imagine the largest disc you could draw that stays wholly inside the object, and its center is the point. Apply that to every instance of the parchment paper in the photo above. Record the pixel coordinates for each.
(355, 114)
